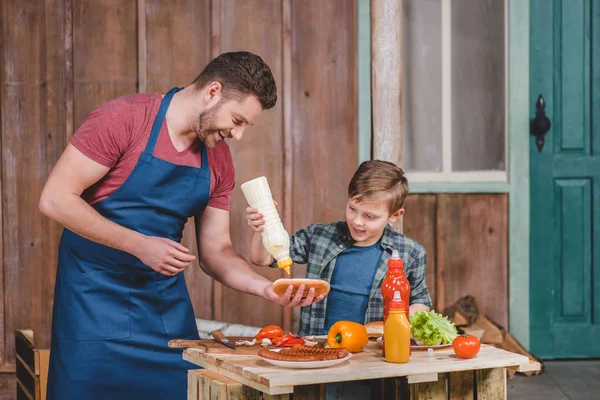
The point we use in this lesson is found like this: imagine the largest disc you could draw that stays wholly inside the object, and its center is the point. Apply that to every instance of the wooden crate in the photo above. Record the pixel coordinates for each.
(489, 384)
(207, 385)
(32, 367)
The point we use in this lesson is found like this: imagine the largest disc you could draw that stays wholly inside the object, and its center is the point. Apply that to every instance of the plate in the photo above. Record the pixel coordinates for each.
(306, 364)
(415, 347)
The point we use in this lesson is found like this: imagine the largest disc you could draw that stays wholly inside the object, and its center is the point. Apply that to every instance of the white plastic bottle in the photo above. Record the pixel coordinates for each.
(274, 236)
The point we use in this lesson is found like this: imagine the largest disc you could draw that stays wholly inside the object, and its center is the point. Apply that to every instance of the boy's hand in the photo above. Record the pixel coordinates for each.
(255, 219)
(289, 301)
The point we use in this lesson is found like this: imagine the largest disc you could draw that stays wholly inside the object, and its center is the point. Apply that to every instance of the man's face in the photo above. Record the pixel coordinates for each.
(227, 118)
(367, 220)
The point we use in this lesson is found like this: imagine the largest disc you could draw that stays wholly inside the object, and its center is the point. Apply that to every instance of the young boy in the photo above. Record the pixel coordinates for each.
(352, 255)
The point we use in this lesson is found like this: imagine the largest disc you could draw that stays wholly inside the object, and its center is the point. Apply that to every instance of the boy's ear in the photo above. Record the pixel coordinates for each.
(394, 217)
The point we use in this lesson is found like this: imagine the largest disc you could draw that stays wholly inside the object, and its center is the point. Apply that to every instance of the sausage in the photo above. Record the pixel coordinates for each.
(273, 355)
(340, 352)
(304, 353)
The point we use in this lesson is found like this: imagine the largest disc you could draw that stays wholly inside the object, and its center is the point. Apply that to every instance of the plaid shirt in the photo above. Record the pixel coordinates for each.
(319, 245)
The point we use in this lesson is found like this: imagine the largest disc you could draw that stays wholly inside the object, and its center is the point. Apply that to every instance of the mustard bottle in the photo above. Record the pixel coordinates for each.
(396, 332)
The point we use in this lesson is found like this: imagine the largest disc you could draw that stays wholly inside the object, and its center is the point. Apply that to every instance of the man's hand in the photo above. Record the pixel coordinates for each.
(164, 255)
(289, 301)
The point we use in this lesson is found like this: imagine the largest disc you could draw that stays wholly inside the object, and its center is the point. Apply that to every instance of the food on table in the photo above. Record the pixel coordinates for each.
(281, 285)
(351, 335)
(466, 346)
(304, 354)
(288, 341)
(374, 329)
(269, 332)
(246, 343)
(429, 328)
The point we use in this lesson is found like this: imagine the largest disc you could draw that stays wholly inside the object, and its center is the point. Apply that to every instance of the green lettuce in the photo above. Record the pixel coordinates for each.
(430, 328)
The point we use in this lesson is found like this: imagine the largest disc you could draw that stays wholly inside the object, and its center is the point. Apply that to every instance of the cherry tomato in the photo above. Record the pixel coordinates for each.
(270, 332)
(466, 346)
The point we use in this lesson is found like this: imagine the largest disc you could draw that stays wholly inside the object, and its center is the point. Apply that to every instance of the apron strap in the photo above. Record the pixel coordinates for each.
(160, 118)
(204, 157)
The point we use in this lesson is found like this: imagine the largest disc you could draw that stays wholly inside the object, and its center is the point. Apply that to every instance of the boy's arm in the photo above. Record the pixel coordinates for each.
(258, 254)
(419, 295)
(413, 308)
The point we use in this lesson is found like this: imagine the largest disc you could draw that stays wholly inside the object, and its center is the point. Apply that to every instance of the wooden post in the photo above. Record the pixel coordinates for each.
(386, 82)
(491, 384)
(460, 385)
(386, 75)
(429, 390)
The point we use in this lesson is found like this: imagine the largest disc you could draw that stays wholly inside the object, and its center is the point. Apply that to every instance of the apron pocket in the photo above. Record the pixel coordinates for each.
(94, 306)
(177, 313)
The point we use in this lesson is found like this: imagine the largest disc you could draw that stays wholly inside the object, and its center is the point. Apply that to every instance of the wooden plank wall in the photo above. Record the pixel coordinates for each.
(62, 58)
(466, 239)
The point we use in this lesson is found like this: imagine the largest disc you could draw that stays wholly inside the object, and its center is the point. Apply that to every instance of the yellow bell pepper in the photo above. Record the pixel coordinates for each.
(348, 334)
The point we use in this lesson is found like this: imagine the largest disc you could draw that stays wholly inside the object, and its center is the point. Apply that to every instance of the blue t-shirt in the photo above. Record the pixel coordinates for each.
(351, 283)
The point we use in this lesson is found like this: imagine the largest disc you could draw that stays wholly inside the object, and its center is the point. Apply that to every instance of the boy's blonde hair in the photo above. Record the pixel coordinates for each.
(378, 180)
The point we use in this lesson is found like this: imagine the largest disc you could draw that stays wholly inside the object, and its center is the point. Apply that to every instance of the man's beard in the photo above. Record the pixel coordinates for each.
(207, 126)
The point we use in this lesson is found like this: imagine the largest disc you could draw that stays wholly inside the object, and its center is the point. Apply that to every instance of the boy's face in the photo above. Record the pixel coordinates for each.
(367, 220)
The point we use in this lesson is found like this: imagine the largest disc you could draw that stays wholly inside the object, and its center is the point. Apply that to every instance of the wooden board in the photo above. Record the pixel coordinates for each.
(419, 224)
(472, 251)
(214, 347)
(324, 100)
(163, 43)
(32, 132)
(369, 364)
(260, 152)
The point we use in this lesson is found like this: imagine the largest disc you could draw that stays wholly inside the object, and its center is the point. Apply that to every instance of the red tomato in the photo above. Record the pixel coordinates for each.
(466, 346)
(270, 332)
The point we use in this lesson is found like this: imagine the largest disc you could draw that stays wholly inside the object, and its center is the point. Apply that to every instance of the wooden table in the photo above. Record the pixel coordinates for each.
(426, 377)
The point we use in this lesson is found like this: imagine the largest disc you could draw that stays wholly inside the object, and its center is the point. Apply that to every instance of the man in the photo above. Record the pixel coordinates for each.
(137, 168)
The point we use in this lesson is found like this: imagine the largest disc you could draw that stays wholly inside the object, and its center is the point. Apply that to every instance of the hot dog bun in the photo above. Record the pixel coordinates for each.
(281, 285)
(374, 329)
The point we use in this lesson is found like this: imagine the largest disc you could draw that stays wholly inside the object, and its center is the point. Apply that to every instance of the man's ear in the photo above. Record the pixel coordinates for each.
(394, 217)
(213, 92)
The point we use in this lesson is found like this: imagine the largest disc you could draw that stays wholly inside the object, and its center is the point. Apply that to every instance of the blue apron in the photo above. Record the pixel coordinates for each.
(113, 315)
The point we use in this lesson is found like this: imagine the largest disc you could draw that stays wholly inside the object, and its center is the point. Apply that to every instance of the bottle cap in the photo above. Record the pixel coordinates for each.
(395, 261)
(285, 264)
(397, 303)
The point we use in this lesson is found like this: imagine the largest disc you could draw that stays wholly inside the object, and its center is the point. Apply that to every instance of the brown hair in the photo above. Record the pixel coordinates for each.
(378, 180)
(241, 73)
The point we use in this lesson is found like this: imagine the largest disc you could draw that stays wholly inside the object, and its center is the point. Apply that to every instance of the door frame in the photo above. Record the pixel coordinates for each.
(518, 138)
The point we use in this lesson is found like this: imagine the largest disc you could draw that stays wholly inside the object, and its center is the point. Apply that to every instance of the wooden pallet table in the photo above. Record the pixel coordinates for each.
(439, 377)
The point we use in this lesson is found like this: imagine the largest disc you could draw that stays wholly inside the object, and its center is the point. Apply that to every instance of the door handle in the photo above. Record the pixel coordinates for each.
(540, 125)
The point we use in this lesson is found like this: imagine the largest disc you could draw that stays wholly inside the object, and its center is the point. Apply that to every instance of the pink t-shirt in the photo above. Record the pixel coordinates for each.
(115, 135)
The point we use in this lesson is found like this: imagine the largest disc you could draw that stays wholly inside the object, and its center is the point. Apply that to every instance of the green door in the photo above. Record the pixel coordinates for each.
(565, 180)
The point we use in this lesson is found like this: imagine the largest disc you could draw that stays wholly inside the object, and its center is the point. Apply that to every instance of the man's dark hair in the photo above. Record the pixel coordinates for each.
(241, 73)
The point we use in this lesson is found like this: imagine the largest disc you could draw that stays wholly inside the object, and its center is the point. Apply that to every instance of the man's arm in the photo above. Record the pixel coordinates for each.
(61, 200)
(219, 260)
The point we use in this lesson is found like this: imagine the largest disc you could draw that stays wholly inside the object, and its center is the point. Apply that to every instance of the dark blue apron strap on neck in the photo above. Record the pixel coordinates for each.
(160, 117)
(204, 156)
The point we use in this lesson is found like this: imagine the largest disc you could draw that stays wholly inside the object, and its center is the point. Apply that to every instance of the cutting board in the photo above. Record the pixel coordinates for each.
(212, 346)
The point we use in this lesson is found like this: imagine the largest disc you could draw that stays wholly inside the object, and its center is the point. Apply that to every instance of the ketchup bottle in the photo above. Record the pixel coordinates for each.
(395, 280)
